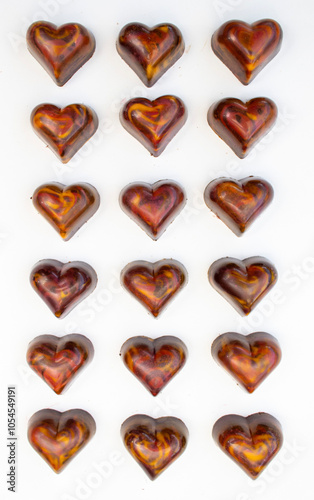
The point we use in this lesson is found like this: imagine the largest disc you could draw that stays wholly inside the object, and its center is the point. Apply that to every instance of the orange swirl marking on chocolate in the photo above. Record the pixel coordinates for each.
(154, 443)
(58, 437)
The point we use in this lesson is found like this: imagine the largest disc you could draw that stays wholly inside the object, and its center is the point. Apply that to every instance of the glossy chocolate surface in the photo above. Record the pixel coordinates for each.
(153, 206)
(61, 51)
(242, 125)
(251, 442)
(66, 208)
(58, 437)
(154, 362)
(243, 283)
(154, 443)
(154, 123)
(62, 286)
(65, 130)
(57, 360)
(238, 203)
(154, 284)
(150, 52)
(247, 48)
(248, 358)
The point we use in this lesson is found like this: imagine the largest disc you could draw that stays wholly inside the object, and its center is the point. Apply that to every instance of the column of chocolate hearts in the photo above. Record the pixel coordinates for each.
(57, 436)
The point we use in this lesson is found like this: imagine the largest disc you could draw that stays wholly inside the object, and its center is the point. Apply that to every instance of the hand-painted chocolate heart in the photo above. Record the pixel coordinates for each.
(150, 52)
(154, 284)
(246, 48)
(58, 437)
(154, 123)
(238, 203)
(57, 360)
(249, 359)
(243, 283)
(251, 442)
(61, 51)
(153, 206)
(66, 208)
(65, 130)
(154, 443)
(62, 286)
(242, 125)
(154, 362)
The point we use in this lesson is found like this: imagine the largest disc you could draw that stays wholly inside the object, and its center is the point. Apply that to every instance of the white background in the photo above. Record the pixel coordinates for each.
(203, 391)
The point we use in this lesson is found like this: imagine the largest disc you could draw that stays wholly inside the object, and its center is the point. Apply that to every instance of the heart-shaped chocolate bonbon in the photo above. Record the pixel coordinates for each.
(66, 208)
(242, 125)
(248, 358)
(246, 48)
(150, 52)
(251, 442)
(154, 123)
(154, 443)
(65, 130)
(243, 283)
(57, 360)
(62, 286)
(58, 437)
(153, 206)
(154, 362)
(238, 203)
(154, 284)
(61, 51)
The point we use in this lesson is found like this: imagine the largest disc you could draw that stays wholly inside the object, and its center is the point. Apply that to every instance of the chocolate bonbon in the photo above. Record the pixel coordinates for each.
(242, 125)
(154, 284)
(154, 361)
(154, 123)
(66, 208)
(62, 286)
(243, 283)
(248, 358)
(252, 442)
(154, 443)
(153, 206)
(247, 48)
(65, 130)
(60, 50)
(150, 52)
(238, 203)
(58, 437)
(57, 360)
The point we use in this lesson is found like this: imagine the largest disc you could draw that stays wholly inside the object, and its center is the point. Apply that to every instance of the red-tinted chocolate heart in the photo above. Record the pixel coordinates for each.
(65, 130)
(58, 437)
(61, 51)
(249, 359)
(154, 284)
(62, 286)
(238, 203)
(243, 283)
(154, 123)
(57, 360)
(66, 208)
(153, 206)
(251, 442)
(154, 443)
(150, 52)
(242, 125)
(247, 48)
(154, 362)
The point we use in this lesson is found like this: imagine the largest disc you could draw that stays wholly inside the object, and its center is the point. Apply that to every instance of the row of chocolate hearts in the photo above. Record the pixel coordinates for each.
(243, 283)
(154, 362)
(154, 123)
(251, 442)
(244, 48)
(154, 206)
